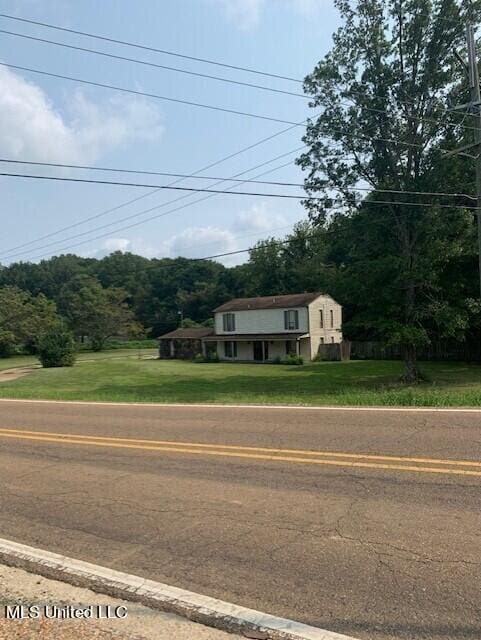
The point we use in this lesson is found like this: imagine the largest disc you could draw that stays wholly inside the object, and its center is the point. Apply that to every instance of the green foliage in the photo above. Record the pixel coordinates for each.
(96, 312)
(402, 271)
(23, 319)
(56, 347)
(291, 359)
(211, 356)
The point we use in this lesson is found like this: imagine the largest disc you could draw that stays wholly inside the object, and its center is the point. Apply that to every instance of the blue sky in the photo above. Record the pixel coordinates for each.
(54, 120)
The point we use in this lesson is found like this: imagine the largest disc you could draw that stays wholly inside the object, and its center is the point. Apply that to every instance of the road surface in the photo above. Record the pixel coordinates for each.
(363, 522)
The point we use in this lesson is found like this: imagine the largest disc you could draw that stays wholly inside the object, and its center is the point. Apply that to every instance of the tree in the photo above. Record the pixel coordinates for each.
(23, 318)
(56, 347)
(383, 91)
(96, 312)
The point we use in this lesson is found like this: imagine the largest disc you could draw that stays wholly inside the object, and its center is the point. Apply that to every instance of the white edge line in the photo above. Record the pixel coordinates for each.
(297, 407)
(196, 607)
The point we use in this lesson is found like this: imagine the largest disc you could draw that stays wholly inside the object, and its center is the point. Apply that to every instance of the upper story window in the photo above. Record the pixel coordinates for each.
(291, 320)
(228, 321)
(331, 314)
(321, 318)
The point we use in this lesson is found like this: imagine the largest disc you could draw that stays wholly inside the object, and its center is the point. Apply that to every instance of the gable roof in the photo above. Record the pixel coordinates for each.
(192, 333)
(269, 302)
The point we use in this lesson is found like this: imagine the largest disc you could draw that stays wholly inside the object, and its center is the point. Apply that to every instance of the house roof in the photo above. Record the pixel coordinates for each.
(192, 333)
(269, 302)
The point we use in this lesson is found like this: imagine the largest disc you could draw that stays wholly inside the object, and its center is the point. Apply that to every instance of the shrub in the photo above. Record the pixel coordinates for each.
(7, 344)
(292, 359)
(210, 357)
(56, 347)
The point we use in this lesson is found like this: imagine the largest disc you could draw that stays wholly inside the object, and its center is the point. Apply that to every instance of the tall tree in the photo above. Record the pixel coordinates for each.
(96, 312)
(23, 319)
(383, 91)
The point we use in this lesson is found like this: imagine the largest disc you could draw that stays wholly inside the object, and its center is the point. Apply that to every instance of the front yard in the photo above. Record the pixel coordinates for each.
(121, 376)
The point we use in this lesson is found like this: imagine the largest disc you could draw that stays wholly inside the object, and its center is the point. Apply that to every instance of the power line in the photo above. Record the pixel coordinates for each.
(155, 96)
(236, 193)
(201, 190)
(184, 176)
(212, 107)
(9, 253)
(154, 64)
(229, 179)
(152, 49)
(140, 222)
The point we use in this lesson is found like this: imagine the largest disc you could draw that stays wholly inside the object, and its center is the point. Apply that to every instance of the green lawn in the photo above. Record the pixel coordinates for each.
(117, 376)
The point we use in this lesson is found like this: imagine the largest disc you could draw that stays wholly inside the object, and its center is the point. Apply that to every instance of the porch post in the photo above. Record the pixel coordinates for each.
(298, 347)
(172, 351)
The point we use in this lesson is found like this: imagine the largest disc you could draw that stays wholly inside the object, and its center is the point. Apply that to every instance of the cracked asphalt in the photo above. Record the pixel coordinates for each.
(377, 552)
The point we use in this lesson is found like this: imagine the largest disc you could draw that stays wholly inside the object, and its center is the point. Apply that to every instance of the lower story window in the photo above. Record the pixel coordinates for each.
(290, 347)
(230, 349)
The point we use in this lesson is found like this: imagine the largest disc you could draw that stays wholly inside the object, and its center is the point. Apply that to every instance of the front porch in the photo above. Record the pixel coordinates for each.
(257, 347)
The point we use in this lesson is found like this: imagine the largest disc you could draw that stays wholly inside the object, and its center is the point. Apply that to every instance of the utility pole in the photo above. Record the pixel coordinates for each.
(473, 75)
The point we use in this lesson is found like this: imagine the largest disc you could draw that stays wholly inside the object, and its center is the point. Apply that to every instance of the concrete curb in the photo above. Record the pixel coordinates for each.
(296, 407)
(195, 607)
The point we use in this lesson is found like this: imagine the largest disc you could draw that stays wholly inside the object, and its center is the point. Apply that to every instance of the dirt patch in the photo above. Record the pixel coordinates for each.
(13, 374)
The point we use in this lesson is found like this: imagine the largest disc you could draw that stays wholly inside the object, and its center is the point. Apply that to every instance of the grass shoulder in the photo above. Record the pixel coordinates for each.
(124, 376)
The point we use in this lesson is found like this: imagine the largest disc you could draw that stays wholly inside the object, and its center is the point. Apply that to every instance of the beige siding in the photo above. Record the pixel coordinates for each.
(330, 334)
(261, 321)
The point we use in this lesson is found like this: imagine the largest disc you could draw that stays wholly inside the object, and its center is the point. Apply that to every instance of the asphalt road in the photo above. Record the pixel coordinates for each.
(359, 521)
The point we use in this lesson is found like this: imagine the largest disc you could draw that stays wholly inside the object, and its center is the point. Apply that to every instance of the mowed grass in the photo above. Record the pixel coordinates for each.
(121, 377)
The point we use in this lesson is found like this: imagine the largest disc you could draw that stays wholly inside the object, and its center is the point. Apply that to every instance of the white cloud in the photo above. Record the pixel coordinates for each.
(306, 8)
(258, 218)
(31, 128)
(245, 13)
(117, 244)
(195, 242)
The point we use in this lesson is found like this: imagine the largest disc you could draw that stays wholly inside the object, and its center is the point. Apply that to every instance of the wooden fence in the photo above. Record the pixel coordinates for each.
(437, 351)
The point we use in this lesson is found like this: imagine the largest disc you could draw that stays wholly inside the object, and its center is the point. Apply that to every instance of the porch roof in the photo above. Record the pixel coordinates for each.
(249, 337)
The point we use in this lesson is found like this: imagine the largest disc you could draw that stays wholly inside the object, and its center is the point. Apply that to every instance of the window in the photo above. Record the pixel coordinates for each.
(332, 339)
(230, 349)
(290, 348)
(291, 320)
(321, 318)
(228, 321)
(331, 314)
(322, 340)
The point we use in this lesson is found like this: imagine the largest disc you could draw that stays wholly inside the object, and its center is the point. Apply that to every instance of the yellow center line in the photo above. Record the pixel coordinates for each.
(113, 443)
(270, 450)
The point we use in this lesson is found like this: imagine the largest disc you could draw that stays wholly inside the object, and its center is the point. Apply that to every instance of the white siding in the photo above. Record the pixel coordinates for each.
(245, 350)
(261, 321)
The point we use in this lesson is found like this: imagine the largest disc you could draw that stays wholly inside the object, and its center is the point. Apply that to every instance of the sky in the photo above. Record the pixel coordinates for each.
(45, 119)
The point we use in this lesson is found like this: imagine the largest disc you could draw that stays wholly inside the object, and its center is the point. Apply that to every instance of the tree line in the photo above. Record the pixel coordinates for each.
(402, 259)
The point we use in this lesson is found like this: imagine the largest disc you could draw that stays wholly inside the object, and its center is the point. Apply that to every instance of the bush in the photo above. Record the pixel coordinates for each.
(7, 344)
(290, 359)
(56, 347)
(210, 357)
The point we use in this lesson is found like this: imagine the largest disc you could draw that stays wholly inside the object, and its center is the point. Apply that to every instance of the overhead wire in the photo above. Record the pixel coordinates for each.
(151, 49)
(155, 65)
(152, 192)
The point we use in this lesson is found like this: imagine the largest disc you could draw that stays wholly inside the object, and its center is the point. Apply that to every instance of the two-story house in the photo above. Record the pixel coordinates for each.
(261, 329)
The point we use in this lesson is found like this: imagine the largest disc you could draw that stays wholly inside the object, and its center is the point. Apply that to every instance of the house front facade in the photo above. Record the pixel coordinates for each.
(265, 328)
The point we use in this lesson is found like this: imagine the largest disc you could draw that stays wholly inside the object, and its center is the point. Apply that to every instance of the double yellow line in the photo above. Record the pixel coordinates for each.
(333, 458)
